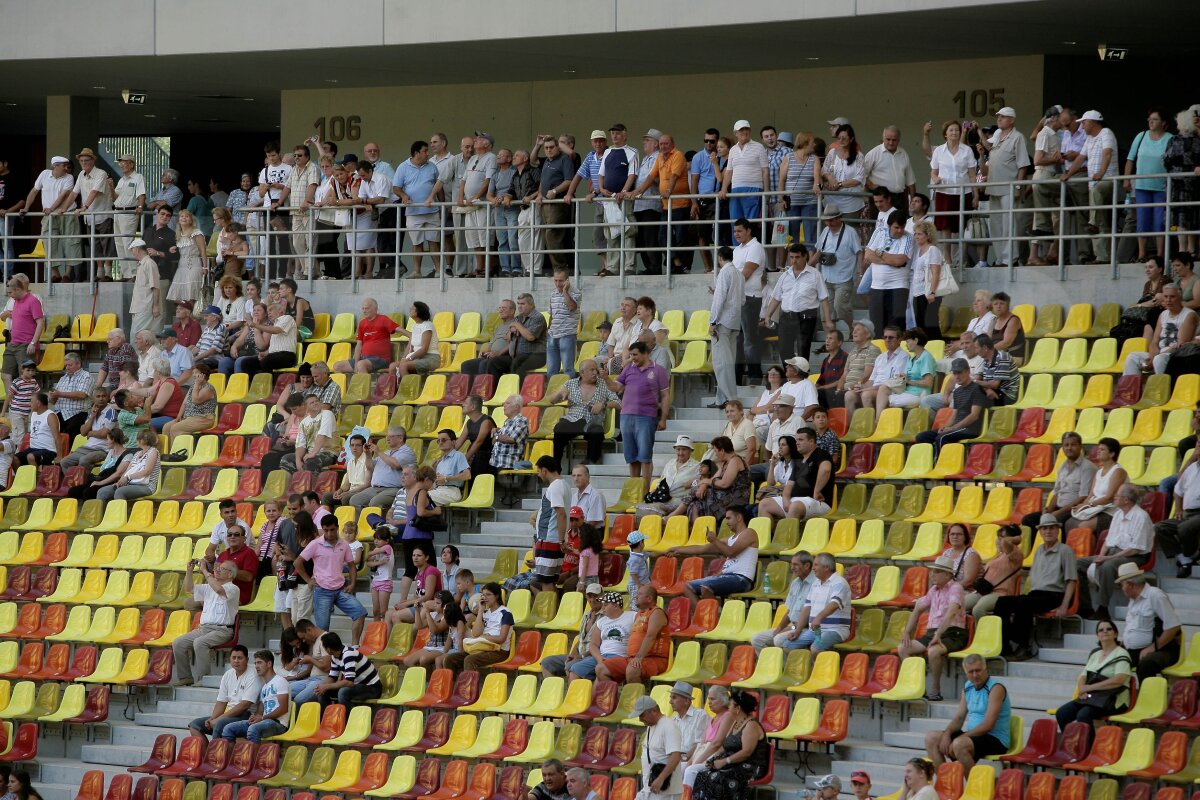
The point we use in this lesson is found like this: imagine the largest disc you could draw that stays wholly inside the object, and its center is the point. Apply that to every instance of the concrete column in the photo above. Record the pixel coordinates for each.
(71, 123)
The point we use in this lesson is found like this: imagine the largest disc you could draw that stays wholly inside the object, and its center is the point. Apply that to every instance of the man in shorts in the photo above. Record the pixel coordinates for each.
(373, 348)
(416, 183)
(947, 630)
(980, 727)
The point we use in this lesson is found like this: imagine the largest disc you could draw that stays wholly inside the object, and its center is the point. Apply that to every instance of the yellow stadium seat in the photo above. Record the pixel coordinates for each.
(207, 449)
(918, 463)
(987, 641)
(115, 589)
(885, 586)
(870, 541)
(998, 507)
(1162, 464)
(1135, 345)
(20, 701)
(23, 482)
(345, 772)
(1049, 319)
(576, 700)
(684, 665)
(981, 783)
(40, 514)
(1061, 421)
(1189, 660)
(729, 624)
(126, 626)
(137, 664)
(492, 694)
(569, 614)
(1043, 358)
(1151, 702)
(804, 720)
(1078, 322)
(697, 327)
(401, 778)
(889, 426)
(306, 723)
(1133, 460)
(1186, 393)
(108, 667)
(1102, 356)
(825, 672)
(890, 460)
(1138, 753)
(768, 670)
(508, 385)
(342, 329)
(927, 544)
(1068, 393)
(1177, 426)
(813, 539)
(539, 746)
(549, 697)
(101, 625)
(409, 729)
(70, 581)
(212, 515)
(1071, 357)
(178, 623)
(1038, 392)
(758, 618)
(521, 697)
(938, 505)
(910, 682)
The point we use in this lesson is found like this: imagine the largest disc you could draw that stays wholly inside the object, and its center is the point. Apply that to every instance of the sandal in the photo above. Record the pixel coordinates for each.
(934, 698)
(604, 273)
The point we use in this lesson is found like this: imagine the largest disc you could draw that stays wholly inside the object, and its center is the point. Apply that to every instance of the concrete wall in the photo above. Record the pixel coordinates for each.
(871, 96)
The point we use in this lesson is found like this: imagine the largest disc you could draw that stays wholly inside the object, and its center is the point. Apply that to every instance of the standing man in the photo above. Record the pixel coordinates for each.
(802, 297)
(787, 631)
(145, 305)
(890, 254)
(25, 328)
(751, 258)
(704, 177)
(1099, 159)
(586, 497)
(239, 690)
(746, 171)
(557, 171)
(502, 199)
(1052, 582)
(274, 186)
(549, 524)
(169, 195)
(777, 150)
(1072, 481)
(618, 174)
(13, 191)
(1008, 160)
(302, 184)
(589, 170)
(670, 174)
(327, 556)
(564, 325)
(388, 251)
(1074, 141)
(473, 194)
(218, 598)
(94, 193)
(645, 390)
(415, 184)
(841, 262)
(647, 209)
(725, 325)
(270, 717)
(887, 165)
(527, 179)
(662, 753)
(352, 678)
(60, 231)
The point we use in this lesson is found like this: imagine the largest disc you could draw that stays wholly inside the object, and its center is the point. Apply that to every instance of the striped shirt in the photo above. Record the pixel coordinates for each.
(212, 338)
(564, 321)
(820, 595)
(81, 381)
(353, 666)
(774, 159)
(590, 170)
(1001, 368)
(746, 164)
(21, 395)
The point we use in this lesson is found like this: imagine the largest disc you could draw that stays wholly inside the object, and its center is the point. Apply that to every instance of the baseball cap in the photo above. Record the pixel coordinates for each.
(1007, 111)
(860, 776)
(127, 157)
(653, 133)
(599, 134)
(137, 243)
(618, 126)
(837, 121)
(960, 365)
(490, 139)
(594, 588)
(1093, 115)
(576, 512)
(167, 331)
(787, 137)
(637, 537)
(741, 123)
(29, 362)
(213, 310)
(829, 781)
(60, 160)
(799, 362)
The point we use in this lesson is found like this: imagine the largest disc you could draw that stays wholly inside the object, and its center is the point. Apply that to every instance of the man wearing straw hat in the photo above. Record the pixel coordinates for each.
(1152, 628)
(947, 630)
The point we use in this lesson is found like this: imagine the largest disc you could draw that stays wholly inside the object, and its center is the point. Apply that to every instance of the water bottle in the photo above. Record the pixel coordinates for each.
(766, 587)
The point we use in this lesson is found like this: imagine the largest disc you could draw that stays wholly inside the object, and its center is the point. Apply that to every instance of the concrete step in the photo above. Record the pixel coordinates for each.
(58, 778)
(178, 722)
(181, 706)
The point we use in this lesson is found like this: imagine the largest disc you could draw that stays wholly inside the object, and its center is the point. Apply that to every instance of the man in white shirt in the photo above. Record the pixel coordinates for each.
(802, 390)
(315, 445)
(786, 633)
(239, 690)
(130, 198)
(746, 170)
(725, 324)
(587, 497)
(1130, 540)
(1047, 165)
(218, 598)
(624, 333)
(94, 192)
(887, 165)
(1008, 160)
(801, 297)
(1099, 162)
(1179, 536)
(60, 230)
(302, 189)
(889, 253)
(219, 539)
(272, 711)
(891, 363)
(691, 720)
(751, 258)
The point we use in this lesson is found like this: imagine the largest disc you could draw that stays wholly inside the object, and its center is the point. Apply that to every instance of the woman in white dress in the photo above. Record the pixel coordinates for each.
(952, 163)
(372, 190)
(926, 274)
(193, 260)
(843, 171)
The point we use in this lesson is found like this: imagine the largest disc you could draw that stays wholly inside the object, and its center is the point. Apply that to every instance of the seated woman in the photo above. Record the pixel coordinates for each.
(676, 481)
(427, 582)
(1094, 512)
(283, 433)
(743, 756)
(1001, 576)
(714, 734)
(283, 333)
(967, 562)
(228, 298)
(421, 356)
(588, 400)
(113, 466)
(166, 396)
(918, 778)
(140, 476)
(729, 485)
(295, 307)
(775, 379)
(917, 381)
(429, 615)
(1007, 331)
(247, 343)
(458, 624)
(199, 412)
(128, 377)
(740, 429)
(775, 493)
(1102, 688)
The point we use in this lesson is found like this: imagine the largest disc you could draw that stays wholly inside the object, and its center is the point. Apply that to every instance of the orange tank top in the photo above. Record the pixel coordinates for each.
(662, 643)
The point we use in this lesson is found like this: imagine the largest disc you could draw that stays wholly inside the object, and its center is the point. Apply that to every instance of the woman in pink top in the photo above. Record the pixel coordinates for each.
(427, 583)
(714, 734)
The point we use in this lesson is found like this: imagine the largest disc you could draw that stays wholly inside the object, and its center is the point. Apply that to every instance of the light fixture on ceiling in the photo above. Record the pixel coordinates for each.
(568, 72)
(11, 105)
(149, 116)
(813, 58)
(247, 99)
(101, 88)
(331, 80)
(1070, 44)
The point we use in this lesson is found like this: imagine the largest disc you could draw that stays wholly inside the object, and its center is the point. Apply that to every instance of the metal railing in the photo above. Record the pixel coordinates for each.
(675, 234)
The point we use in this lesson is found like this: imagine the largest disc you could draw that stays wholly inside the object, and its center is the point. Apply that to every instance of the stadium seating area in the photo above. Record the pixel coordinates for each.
(90, 598)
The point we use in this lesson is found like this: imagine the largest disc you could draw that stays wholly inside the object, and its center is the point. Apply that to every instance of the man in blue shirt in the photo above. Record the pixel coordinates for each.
(417, 183)
(704, 178)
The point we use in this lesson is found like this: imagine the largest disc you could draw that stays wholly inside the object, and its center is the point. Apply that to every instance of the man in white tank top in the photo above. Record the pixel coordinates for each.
(1176, 326)
(741, 559)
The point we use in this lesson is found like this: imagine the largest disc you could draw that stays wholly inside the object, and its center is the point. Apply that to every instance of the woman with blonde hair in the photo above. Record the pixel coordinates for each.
(217, 241)
(228, 298)
(800, 175)
(928, 263)
(1183, 155)
(193, 260)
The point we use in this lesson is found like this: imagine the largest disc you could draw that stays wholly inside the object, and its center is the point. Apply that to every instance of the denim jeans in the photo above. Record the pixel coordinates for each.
(748, 208)
(304, 691)
(809, 222)
(219, 725)
(507, 239)
(325, 599)
(637, 436)
(819, 641)
(227, 365)
(560, 351)
(256, 732)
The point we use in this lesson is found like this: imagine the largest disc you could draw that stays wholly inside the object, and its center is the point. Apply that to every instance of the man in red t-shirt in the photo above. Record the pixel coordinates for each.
(244, 558)
(373, 350)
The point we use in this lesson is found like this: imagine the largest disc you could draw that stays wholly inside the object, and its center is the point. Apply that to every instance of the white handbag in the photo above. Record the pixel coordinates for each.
(947, 285)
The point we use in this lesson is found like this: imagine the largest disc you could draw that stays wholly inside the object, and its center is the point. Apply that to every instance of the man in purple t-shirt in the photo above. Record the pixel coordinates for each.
(25, 325)
(645, 389)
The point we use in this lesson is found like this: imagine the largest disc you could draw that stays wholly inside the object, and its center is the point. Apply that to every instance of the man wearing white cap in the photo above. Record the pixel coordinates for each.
(662, 752)
(1008, 160)
(145, 308)
(559, 666)
(836, 123)
(675, 481)
(746, 171)
(947, 629)
(1099, 159)
(60, 231)
(130, 201)
(589, 172)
